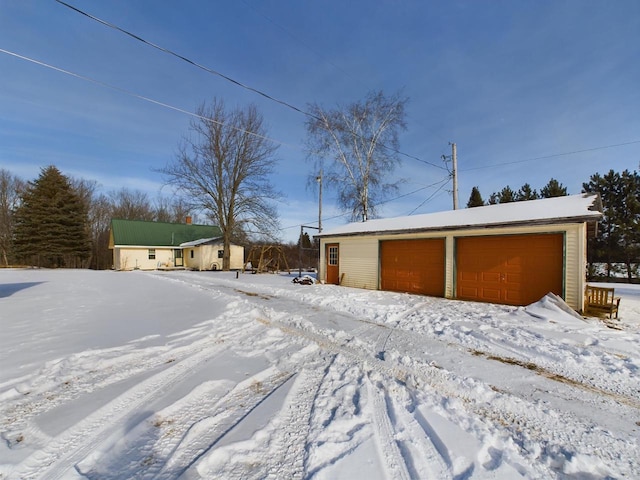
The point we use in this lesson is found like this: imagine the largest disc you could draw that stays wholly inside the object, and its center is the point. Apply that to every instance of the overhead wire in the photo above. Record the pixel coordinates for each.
(444, 181)
(269, 97)
(177, 109)
(221, 75)
(138, 96)
(544, 157)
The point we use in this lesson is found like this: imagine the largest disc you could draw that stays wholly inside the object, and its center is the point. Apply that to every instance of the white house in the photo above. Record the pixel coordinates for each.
(206, 254)
(152, 245)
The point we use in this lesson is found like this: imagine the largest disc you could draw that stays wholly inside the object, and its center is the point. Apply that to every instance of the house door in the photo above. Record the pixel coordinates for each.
(177, 258)
(333, 267)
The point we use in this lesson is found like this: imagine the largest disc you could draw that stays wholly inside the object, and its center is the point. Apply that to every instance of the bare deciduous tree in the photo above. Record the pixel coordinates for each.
(10, 190)
(356, 147)
(171, 209)
(131, 205)
(223, 167)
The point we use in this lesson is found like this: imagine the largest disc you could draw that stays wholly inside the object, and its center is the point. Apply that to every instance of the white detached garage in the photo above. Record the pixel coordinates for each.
(511, 253)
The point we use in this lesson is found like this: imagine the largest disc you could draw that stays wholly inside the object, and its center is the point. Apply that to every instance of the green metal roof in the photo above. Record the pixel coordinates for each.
(159, 234)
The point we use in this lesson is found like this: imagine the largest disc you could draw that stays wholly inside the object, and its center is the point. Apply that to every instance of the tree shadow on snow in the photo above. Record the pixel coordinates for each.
(8, 289)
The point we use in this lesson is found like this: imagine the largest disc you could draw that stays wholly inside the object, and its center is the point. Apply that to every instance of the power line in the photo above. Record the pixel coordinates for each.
(183, 58)
(553, 155)
(177, 109)
(140, 97)
(225, 77)
(443, 181)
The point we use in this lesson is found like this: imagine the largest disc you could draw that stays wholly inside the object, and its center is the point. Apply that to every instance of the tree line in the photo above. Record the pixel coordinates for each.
(223, 170)
(61, 221)
(552, 189)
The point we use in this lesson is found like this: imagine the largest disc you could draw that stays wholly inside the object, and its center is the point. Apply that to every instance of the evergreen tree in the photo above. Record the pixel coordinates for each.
(475, 199)
(629, 221)
(304, 241)
(605, 247)
(553, 189)
(506, 195)
(525, 193)
(51, 222)
(618, 238)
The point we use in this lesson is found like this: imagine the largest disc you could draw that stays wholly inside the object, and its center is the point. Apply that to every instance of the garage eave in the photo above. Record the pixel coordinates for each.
(486, 226)
(547, 211)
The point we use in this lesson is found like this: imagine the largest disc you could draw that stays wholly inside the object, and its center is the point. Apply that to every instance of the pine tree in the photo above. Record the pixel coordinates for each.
(506, 195)
(475, 199)
(629, 221)
(526, 193)
(304, 241)
(606, 246)
(553, 189)
(51, 222)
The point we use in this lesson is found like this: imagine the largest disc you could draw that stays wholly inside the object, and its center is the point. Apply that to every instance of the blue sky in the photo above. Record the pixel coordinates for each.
(509, 82)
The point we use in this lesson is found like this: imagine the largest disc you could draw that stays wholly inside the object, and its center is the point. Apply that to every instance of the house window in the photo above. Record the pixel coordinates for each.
(152, 254)
(220, 253)
(191, 253)
(333, 256)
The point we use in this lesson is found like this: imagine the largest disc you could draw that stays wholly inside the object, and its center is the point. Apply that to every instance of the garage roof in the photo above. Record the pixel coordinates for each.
(586, 207)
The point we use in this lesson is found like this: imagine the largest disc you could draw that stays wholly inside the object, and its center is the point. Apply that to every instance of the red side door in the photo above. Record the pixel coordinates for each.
(332, 256)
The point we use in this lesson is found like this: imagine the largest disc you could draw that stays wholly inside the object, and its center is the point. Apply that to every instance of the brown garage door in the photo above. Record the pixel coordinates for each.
(413, 266)
(510, 269)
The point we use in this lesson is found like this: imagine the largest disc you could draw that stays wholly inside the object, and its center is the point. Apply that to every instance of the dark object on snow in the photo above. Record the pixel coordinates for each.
(306, 280)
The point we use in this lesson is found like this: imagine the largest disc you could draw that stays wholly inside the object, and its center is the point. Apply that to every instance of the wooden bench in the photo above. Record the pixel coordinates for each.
(601, 300)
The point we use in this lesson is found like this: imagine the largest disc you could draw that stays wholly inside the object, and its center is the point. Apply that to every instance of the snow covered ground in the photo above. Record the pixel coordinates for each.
(165, 375)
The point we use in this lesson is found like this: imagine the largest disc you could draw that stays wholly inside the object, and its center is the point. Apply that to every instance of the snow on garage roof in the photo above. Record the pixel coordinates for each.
(573, 208)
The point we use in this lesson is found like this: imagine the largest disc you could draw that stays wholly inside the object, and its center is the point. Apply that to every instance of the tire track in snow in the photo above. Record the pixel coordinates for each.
(229, 411)
(289, 459)
(143, 451)
(385, 435)
(532, 426)
(121, 364)
(527, 422)
(276, 451)
(340, 417)
(413, 444)
(554, 371)
(63, 452)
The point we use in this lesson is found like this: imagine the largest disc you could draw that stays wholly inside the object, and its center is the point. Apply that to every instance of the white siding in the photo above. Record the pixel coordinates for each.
(359, 262)
(130, 258)
(205, 256)
(575, 266)
(449, 266)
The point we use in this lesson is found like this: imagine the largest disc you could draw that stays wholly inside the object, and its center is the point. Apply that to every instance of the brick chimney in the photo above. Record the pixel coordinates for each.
(188, 220)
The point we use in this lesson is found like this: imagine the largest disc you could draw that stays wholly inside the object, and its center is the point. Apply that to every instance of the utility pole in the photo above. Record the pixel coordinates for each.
(319, 180)
(454, 161)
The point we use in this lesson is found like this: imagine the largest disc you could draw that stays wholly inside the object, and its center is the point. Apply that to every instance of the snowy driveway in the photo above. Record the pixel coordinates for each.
(190, 375)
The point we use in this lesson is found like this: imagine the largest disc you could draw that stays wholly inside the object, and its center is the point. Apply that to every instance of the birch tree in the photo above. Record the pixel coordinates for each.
(356, 147)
